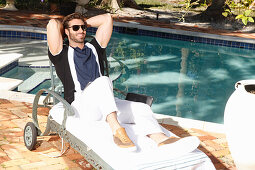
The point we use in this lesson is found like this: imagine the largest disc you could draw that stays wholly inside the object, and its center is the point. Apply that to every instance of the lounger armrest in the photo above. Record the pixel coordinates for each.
(136, 97)
(139, 98)
(68, 109)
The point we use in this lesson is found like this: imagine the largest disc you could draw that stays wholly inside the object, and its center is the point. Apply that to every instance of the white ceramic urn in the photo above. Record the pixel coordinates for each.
(239, 122)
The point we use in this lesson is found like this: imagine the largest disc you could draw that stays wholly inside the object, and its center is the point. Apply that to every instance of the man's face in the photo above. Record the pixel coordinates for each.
(73, 35)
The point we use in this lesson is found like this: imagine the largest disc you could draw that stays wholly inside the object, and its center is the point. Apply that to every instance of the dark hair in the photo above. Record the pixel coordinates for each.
(70, 17)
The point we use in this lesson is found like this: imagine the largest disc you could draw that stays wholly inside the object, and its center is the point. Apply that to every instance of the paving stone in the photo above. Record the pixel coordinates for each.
(17, 103)
(4, 142)
(213, 144)
(27, 110)
(21, 122)
(43, 111)
(18, 108)
(221, 141)
(7, 124)
(43, 146)
(19, 113)
(74, 156)
(207, 137)
(76, 168)
(4, 159)
(13, 168)
(6, 116)
(218, 135)
(7, 105)
(206, 148)
(5, 110)
(55, 166)
(13, 153)
(31, 156)
(15, 162)
(2, 153)
(33, 165)
(220, 153)
(201, 132)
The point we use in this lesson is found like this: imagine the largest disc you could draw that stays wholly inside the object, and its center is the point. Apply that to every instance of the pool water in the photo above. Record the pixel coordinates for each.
(186, 79)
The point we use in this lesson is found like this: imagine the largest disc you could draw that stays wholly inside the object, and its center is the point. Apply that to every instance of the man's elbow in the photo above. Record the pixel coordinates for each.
(108, 17)
(53, 23)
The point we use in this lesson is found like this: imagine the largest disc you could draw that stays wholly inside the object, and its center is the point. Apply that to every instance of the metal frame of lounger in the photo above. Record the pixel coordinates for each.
(54, 127)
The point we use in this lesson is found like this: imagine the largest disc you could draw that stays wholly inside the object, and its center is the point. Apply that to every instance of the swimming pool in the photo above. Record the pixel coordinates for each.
(186, 79)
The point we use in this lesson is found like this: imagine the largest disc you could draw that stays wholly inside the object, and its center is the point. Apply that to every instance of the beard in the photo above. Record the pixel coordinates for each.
(76, 39)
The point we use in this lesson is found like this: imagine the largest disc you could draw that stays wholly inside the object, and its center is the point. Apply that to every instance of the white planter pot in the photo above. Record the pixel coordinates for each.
(239, 121)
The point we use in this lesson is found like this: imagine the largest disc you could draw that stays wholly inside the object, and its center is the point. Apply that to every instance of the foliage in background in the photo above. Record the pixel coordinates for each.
(2, 3)
(244, 11)
(245, 17)
(243, 8)
(187, 5)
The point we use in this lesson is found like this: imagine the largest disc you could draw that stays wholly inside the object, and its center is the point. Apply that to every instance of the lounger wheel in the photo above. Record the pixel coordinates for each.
(30, 135)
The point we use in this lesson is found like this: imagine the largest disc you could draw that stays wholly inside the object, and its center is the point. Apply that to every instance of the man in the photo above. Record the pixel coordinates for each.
(90, 93)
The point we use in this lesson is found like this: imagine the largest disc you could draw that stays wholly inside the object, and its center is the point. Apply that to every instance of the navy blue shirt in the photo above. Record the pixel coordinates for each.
(85, 65)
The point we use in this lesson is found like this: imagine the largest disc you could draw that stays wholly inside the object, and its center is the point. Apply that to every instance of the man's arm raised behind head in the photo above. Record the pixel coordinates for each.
(104, 32)
(54, 36)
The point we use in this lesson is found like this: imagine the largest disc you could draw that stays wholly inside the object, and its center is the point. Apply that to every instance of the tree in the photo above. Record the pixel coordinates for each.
(214, 11)
(117, 4)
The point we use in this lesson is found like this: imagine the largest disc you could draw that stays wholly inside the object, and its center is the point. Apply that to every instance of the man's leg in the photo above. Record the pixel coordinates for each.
(142, 115)
(120, 136)
(97, 103)
(113, 122)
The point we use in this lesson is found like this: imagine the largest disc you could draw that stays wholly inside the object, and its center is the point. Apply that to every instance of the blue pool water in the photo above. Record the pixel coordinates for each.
(186, 79)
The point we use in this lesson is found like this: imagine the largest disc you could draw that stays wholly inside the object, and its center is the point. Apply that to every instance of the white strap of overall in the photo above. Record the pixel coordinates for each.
(77, 84)
(96, 55)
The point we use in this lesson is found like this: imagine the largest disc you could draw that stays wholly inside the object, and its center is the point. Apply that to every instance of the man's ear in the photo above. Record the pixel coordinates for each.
(67, 32)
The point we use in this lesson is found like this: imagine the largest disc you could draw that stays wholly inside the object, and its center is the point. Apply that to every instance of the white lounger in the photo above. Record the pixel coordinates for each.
(98, 137)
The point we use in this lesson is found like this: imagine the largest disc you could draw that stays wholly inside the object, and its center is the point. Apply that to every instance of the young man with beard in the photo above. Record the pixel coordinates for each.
(86, 89)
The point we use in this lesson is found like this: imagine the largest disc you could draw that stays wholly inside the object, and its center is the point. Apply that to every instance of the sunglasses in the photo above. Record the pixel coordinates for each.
(77, 27)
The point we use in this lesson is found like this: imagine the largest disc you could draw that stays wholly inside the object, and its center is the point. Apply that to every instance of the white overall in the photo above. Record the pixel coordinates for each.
(97, 100)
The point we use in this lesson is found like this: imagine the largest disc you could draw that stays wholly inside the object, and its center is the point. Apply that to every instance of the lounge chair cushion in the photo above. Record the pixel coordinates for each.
(98, 136)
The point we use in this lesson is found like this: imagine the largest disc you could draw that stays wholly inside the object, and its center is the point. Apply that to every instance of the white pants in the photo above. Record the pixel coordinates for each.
(97, 100)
